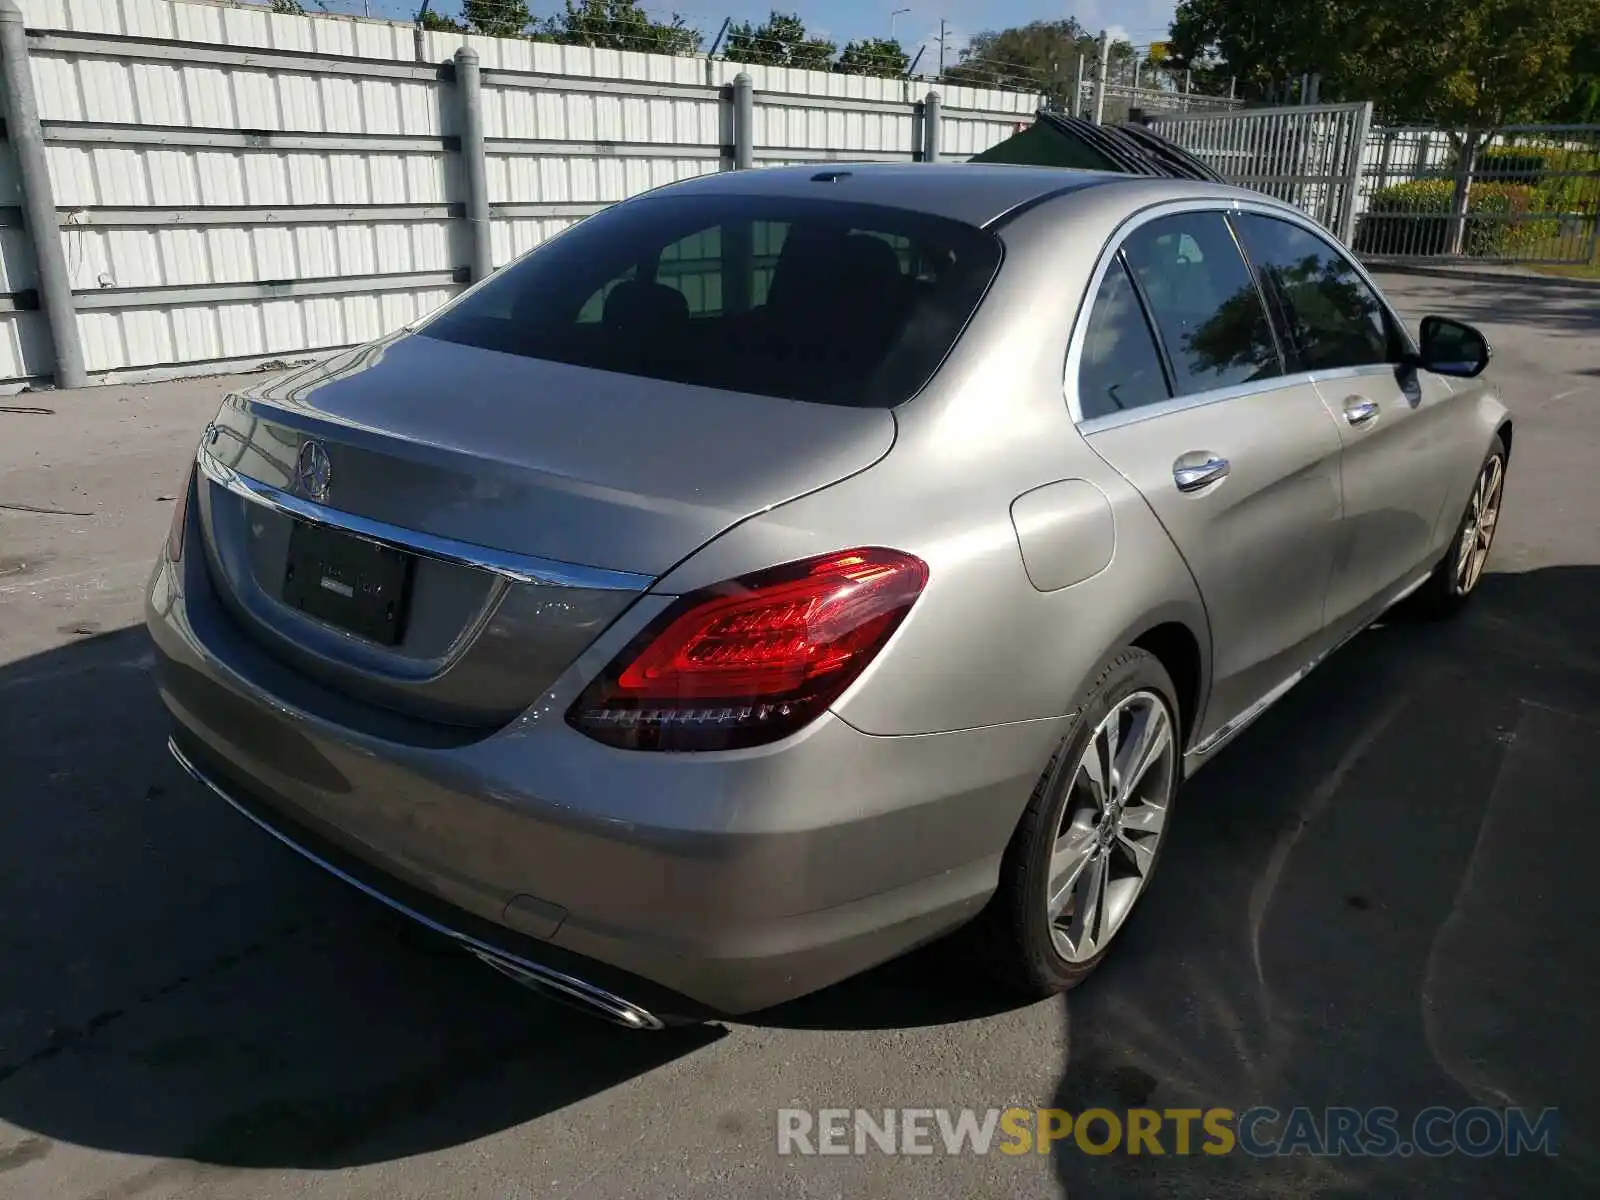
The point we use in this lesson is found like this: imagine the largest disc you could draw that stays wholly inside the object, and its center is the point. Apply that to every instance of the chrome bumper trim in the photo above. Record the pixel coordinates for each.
(556, 984)
(518, 568)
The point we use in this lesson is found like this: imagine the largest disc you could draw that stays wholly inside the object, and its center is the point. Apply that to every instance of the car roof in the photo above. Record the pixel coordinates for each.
(974, 193)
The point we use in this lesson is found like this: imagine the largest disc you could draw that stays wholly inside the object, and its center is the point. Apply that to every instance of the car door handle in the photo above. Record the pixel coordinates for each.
(1193, 471)
(1358, 410)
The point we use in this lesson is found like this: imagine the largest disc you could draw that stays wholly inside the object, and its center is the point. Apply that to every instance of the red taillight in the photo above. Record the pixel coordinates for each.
(752, 660)
(180, 518)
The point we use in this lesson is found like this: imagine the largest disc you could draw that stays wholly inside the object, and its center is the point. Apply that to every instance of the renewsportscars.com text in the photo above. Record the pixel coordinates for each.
(1259, 1131)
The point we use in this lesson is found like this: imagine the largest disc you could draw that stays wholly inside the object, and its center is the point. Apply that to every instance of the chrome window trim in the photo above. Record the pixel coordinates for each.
(1108, 255)
(518, 568)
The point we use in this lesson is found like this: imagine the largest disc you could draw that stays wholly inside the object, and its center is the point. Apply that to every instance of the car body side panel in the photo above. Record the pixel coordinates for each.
(1260, 541)
(1396, 470)
(1480, 412)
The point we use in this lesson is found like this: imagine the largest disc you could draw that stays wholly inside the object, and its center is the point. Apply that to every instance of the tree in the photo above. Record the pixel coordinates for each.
(873, 56)
(781, 42)
(620, 25)
(1039, 57)
(436, 22)
(497, 18)
(288, 7)
(1481, 63)
(1582, 105)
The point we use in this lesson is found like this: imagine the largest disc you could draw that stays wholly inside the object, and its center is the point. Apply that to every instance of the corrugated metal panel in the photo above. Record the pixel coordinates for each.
(24, 345)
(558, 179)
(175, 257)
(516, 236)
(103, 90)
(116, 339)
(86, 176)
(512, 112)
(961, 138)
(781, 126)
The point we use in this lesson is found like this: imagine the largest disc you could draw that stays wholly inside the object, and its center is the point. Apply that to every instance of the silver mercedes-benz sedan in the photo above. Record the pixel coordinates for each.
(785, 568)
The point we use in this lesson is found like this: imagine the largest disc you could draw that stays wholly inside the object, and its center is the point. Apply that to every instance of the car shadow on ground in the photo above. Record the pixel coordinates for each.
(175, 985)
(1547, 303)
(1379, 896)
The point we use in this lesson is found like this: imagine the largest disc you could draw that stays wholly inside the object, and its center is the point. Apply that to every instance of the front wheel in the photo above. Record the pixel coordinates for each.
(1458, 573)
(1088, 842)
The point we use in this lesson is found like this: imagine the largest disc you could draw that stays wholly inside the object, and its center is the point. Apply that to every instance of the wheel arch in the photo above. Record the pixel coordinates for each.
(1177, 648)
(1503, 432)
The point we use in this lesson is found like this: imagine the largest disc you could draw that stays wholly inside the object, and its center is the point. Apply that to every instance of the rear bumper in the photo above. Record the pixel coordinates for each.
(496, 945)
(648, 885)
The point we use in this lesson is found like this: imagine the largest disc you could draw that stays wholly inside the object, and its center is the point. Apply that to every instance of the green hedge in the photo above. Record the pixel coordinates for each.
(1563, 180)
(1504, 220)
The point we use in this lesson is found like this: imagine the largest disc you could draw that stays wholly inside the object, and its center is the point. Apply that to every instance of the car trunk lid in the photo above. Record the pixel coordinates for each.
(533, 501)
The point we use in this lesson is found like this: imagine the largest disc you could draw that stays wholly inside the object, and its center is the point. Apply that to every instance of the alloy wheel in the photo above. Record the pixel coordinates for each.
(1114, 819)
(1477, 533)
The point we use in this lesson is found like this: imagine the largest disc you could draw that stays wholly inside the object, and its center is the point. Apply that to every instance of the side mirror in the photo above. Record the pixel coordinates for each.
(1452, 348)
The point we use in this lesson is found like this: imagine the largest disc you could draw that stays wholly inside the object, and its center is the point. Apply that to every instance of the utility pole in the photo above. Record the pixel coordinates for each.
(1100, 78)
(941, 47)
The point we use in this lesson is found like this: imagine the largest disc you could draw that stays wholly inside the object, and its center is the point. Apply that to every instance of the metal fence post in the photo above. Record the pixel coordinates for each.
(744, 122)
(930, 128)
(1386, 159)
(38, 199)
(470, 87)
(1352, 175)
(1100, 74)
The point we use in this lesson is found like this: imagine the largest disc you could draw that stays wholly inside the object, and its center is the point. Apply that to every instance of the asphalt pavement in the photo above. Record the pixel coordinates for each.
(1381, 895)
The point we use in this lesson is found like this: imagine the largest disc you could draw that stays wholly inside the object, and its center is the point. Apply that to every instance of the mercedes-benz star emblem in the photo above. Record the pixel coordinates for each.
(313, 473)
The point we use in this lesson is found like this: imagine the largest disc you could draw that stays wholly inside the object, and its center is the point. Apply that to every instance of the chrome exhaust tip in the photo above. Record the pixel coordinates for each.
(573, 993)
(555, 985)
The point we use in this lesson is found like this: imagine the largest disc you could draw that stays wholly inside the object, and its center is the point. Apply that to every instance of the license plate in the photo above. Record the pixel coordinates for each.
(356, 585)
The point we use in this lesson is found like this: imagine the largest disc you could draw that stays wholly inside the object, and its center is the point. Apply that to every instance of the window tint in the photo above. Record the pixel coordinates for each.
(1330, 317)
(1121, 367)
(1204, 302)
(808, 299)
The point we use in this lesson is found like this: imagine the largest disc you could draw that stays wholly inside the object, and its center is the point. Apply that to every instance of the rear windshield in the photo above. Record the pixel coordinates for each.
(804, 299)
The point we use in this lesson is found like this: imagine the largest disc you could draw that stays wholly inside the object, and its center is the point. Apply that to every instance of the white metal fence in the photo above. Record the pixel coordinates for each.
(234, 185)
(1308, 155)
(1523, 194)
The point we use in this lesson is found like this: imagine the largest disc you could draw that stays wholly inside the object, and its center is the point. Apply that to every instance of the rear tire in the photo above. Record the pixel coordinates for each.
(1083, 853)
(1456, 576)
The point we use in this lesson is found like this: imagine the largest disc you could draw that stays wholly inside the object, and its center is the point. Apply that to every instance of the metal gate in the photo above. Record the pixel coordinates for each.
(1309, 156)
(1524, 194)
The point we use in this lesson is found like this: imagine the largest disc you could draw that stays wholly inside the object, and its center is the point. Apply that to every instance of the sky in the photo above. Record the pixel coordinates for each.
(1137, 21)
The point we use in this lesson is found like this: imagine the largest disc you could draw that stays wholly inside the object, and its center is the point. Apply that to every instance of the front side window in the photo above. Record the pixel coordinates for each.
(1120, 367)
(1204, 302)
(1330, 317)
(804, 299)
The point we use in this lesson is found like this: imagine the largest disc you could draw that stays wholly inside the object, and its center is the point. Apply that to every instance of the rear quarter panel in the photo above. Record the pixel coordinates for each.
(1477, 411)
(984, 645)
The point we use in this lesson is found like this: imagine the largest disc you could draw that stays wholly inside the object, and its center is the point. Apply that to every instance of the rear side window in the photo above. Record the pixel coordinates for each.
(1204, 302)
(1329, 315)
(1121, 367)
(804, 299)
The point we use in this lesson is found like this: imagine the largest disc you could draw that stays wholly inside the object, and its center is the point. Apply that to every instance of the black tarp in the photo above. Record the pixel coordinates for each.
(1054, 140)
